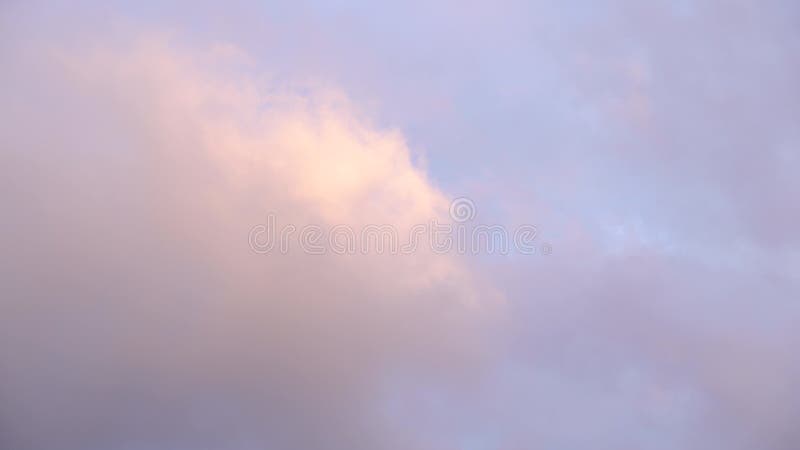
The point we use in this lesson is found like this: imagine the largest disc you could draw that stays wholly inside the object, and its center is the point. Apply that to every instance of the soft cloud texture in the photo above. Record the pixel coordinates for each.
(135, 314)
(654, 144)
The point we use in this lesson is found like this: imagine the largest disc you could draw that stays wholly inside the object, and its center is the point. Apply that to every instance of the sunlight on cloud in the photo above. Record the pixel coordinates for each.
(137, 203)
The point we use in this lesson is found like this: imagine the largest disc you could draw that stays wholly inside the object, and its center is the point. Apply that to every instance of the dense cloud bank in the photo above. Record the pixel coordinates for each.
(654, 145)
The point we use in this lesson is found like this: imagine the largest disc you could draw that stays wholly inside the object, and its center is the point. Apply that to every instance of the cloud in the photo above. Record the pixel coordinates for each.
(135, 314)
(654, 147)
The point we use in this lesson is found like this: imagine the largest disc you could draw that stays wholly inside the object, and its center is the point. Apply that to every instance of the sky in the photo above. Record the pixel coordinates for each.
(148, 149)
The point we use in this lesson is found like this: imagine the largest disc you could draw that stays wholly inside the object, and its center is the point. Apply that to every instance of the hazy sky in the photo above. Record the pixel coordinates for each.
(654, 145)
